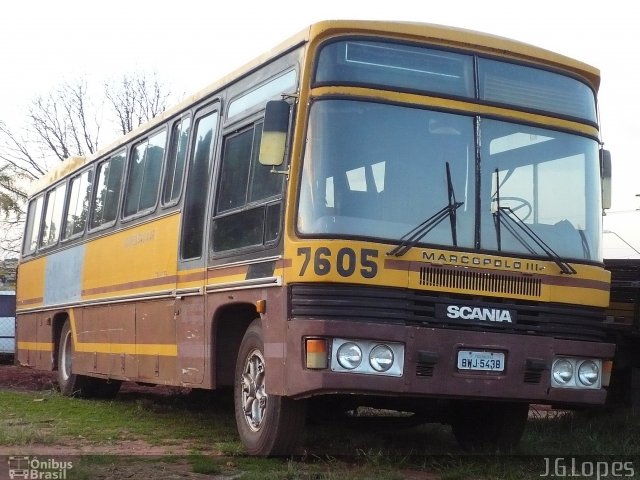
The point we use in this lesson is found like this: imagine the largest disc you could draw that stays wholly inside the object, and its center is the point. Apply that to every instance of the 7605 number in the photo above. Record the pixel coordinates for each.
(345, 262)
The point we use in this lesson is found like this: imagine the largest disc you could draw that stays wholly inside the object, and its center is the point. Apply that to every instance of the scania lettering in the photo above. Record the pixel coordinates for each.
(476, 313)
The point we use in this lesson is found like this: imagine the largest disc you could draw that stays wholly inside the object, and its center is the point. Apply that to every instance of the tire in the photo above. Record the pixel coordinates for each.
(268, 425)
(495, 426)
(75, 385)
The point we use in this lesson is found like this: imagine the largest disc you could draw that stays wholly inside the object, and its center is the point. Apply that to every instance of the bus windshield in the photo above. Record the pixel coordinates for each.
(378, 170)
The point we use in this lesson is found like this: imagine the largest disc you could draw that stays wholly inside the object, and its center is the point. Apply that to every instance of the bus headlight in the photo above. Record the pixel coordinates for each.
(588, 373)
(381, 358)
(562, 371)
(568, 372)
(349, 355)
(385, 358)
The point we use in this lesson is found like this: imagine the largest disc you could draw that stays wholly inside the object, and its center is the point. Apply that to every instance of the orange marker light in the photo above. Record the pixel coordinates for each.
(607, 366)
(316, 353)
(261, 306)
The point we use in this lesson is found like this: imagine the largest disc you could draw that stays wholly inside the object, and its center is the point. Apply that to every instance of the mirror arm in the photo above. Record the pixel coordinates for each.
(280, 172)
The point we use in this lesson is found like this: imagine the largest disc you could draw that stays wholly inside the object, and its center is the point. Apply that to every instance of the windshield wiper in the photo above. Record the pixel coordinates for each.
(516, 226)
(413, 236)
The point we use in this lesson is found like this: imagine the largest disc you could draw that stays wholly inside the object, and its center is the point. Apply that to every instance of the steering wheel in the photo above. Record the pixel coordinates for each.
(519, 203)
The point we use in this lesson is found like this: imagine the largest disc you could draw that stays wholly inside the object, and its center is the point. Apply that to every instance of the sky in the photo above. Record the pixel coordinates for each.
(192, 43)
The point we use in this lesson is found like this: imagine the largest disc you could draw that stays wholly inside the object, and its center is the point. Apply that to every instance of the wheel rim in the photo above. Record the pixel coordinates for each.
(65, 365)
(254, 397)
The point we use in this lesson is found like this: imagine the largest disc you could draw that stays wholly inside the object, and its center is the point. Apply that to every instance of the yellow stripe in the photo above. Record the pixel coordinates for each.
(72, 321)
(167, 350)
(39, 346)
(446, 103)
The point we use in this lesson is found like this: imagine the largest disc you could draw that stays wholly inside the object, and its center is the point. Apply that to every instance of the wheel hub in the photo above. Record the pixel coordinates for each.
(254, 397)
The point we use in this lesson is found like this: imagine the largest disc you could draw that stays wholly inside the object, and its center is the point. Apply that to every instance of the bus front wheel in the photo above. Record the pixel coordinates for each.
(269, 425)
(72, 384)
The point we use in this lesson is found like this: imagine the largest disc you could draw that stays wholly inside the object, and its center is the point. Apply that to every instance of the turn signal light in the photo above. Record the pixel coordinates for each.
(316, 353)
(607, 367)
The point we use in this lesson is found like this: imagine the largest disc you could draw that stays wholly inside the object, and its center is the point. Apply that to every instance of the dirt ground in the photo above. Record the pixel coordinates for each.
(13, 377)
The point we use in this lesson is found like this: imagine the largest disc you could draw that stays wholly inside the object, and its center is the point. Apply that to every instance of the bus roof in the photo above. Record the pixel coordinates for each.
(438, 34)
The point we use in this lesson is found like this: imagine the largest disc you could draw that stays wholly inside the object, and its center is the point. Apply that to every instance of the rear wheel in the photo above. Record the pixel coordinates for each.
(72, 384)
(489, 425)
(268, 424)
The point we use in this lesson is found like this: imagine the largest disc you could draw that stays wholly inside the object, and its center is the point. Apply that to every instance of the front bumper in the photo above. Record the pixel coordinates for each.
(430, 364)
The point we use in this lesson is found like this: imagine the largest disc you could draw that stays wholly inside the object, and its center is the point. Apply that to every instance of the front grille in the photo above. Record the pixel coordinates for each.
(426, 363)
(481, 282)
(418, 308)
(532, 376)
(424, 370)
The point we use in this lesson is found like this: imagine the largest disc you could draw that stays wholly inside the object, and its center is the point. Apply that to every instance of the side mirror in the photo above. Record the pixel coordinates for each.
(274, 133)
(605, 173)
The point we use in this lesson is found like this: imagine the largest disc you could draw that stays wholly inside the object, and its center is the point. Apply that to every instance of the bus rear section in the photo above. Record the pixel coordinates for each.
(623, 327)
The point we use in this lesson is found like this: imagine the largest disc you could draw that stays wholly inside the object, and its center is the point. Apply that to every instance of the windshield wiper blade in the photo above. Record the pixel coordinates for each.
(413, 236)
(453, 206)
(516, 221)
(496, 221)
(565, 267)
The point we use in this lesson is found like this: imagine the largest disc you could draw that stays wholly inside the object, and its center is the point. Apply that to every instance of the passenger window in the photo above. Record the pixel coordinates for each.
(198, 186)
(263, 184)
(248, 205)
(234, 177)
(33, 225)
(107, 192)
(357, 180)
(143, 181)
(53, 216)
(80, 193)
(243, 180)
(176, 161)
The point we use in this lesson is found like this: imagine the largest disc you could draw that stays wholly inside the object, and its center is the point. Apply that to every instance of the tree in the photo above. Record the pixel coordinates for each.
(136, 99)
(10, 193)
(68, 121)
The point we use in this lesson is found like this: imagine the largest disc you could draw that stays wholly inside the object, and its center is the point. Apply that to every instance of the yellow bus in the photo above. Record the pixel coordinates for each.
(371, 214)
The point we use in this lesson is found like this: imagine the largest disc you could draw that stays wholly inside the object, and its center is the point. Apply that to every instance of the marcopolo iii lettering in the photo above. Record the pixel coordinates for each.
(484, 314)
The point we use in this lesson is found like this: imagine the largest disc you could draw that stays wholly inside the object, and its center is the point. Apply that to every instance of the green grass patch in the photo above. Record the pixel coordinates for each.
(204, 464)
(345, 449)
(592, 432)
(51, 418)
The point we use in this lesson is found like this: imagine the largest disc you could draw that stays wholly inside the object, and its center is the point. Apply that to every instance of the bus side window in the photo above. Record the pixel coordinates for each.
(143, 181)
(32, 230)
(198, 186)
(176, 161)
(78, 210)
(248, 205)
(53, 216)
(107, 192)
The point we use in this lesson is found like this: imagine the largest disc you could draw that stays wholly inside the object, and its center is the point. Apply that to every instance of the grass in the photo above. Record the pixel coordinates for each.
(51, 418)
(353, 449)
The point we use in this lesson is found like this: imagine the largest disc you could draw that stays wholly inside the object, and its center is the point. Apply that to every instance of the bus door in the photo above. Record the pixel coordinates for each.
(190, 289)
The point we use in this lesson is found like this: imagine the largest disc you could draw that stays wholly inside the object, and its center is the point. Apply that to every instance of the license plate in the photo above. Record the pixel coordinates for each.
(483, 361)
